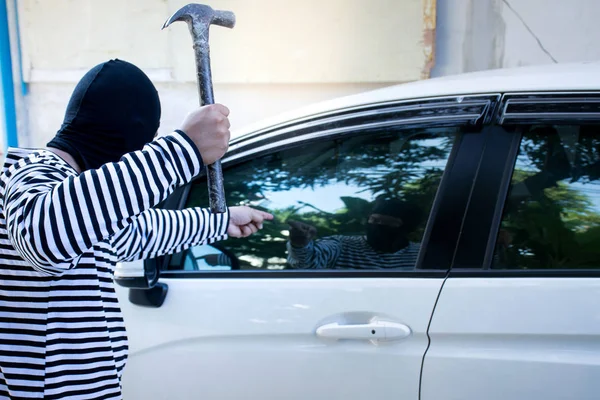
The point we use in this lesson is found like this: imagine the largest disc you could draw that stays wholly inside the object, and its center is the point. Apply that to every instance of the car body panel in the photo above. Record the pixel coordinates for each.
(226, 338)
(515, 338)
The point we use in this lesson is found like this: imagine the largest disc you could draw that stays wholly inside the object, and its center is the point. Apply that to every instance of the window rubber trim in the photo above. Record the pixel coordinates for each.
(524, 273)
(471, 110)
(305, 274)
(556, 107)
(321, 120)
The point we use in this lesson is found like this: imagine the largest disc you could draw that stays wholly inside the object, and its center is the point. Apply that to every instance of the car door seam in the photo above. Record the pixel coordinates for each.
(427, 331)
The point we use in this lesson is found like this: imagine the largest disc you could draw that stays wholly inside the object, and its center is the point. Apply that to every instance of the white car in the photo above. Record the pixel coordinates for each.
(502, 302)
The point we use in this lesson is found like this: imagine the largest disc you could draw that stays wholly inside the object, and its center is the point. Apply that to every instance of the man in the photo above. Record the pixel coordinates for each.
(70, 212)
(385, 245)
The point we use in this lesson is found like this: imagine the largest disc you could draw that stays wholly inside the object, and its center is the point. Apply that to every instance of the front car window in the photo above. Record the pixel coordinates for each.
(359, 202)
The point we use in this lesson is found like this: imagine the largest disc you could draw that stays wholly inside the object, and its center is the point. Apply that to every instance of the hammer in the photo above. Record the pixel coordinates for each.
(199, 17)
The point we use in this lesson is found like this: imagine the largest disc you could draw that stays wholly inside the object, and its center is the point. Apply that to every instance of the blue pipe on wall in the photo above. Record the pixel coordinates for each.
(6, 79)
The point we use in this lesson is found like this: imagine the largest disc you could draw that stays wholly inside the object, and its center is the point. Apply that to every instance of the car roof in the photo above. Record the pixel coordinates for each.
(555, 77)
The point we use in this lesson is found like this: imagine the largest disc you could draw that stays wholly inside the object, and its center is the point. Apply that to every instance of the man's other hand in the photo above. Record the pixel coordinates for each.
(301, 234)
(244, 221)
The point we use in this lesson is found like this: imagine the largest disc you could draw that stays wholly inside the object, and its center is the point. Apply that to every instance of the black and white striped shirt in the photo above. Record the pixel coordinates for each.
(352, 252)
(61, 235)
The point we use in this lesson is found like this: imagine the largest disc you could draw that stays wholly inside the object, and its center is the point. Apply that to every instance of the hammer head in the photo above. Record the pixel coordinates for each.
(199, 17)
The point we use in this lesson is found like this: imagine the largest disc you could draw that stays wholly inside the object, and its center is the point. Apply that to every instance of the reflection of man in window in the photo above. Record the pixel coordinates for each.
(385, 245)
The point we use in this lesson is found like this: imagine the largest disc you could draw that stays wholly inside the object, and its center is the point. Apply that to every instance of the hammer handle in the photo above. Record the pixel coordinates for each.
(216, 190)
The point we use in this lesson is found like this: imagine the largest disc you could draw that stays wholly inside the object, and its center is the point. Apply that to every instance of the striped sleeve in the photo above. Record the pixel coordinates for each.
(158, 232)
(54, 216)
(322, 254)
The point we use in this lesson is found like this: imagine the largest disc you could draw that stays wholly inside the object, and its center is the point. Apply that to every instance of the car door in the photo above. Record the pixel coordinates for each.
(242, 319)
(518, 317)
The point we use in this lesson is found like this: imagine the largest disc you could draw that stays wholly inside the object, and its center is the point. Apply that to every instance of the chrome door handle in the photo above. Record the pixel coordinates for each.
(376, 330)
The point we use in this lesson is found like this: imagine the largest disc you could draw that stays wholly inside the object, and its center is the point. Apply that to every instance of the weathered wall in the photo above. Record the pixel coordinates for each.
(285, 54)
(474, 35)
(281, 54)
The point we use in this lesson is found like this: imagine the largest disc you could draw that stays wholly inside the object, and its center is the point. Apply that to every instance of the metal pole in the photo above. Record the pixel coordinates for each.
(6, 80)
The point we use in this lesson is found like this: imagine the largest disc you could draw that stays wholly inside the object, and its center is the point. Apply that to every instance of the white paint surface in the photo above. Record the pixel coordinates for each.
(256, 338)
(515, 338)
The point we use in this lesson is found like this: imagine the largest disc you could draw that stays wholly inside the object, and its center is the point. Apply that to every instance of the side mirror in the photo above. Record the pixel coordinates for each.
(141, 274)
(141, 277)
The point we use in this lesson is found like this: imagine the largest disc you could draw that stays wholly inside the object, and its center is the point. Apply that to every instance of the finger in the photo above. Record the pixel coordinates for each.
(255, 216)
(234, 232)
(253, 228)
(259, 216)
(222, 109)
(266, 215)
(246, 231)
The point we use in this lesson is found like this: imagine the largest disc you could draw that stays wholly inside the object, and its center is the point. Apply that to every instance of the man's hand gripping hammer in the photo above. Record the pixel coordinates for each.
(199, 17)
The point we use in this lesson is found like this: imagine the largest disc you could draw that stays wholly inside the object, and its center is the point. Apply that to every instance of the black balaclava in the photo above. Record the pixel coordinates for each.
(114, 110)
(390, 239)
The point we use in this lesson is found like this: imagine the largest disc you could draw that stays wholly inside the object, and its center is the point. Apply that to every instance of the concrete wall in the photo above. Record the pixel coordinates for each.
(475, 35)
(281, 55)
(285, 54)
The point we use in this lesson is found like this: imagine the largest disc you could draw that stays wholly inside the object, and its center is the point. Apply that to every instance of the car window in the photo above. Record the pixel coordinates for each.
(551, 217)
(202, 258)
(359, 202)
